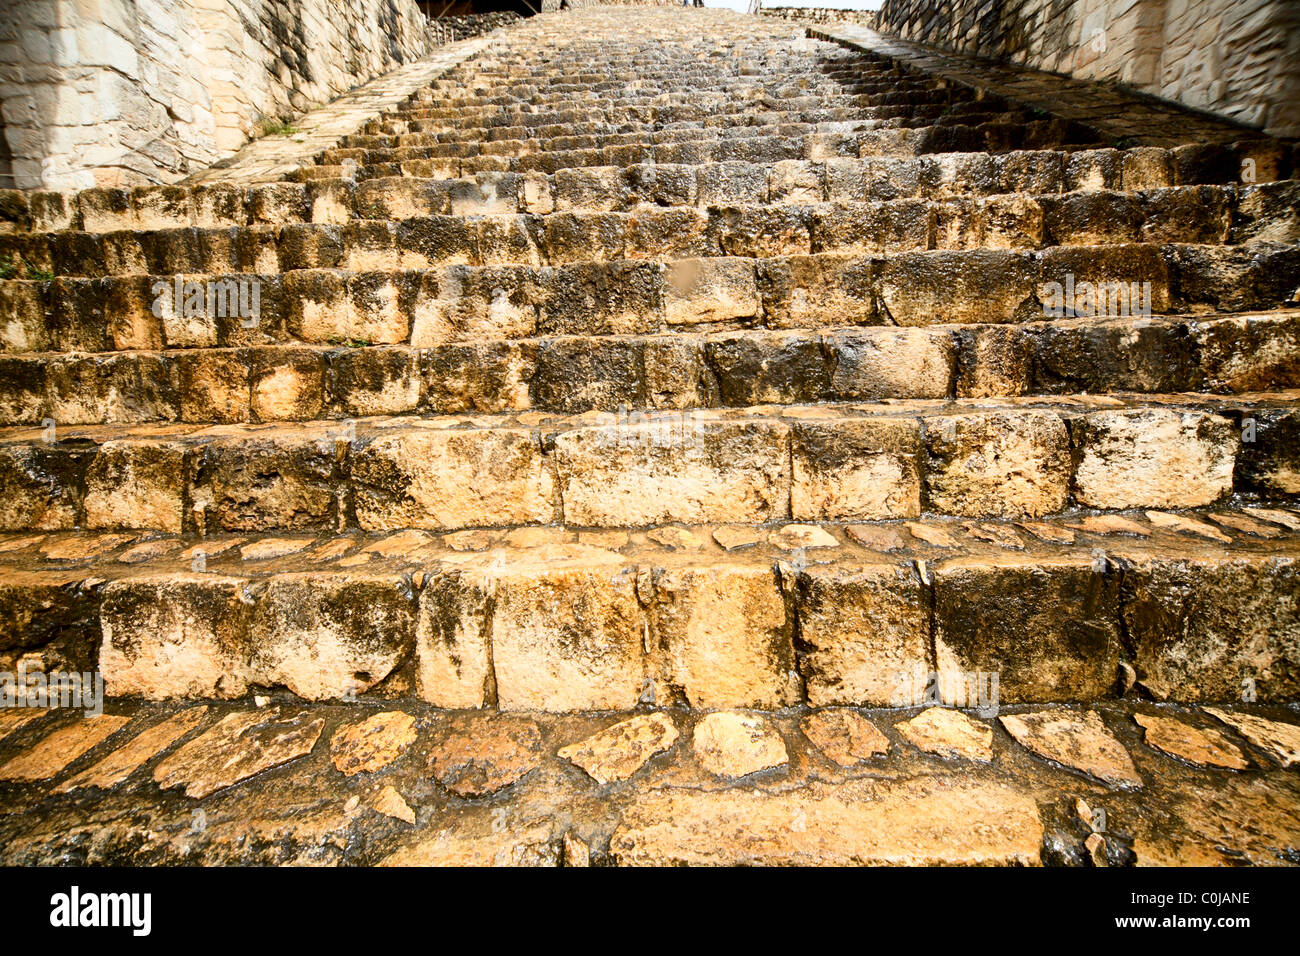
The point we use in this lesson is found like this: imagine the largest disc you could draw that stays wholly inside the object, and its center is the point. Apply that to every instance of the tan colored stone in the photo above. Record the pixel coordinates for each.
(83, 546)
(863, 628)
(136, 752)
(373, 743)
(1048, 532)
(730, 744)
(537, 537)
(844, 735)
(136, 484)
(1096, 847)
(725, 636)
(792, 537)
(567, 639)
(460, 846)
(1109, 524)
(1075, 739)
(733, 539)
(269, 548)
(679, 539)
(481, 755)
(238, 746)
(911, 823)
(641, 474)
(451, 479)
(1288, 519)
(997, 464)
(710, 290)
(56, 750)
(931, 534)
(468, 540)
(391, 804)
(950, 734)
(176, 635)
(1162, 519)
(621, 750)
(1246, 525)
(148, 551)
(575, 851)
(1208, 748)
(1000, 535)
(857, 470)
(1153, 458)
(876, 537)
(1279, 739)
(610, 540)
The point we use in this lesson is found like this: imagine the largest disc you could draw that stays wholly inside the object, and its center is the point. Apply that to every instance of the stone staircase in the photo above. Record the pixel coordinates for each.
(657, 358)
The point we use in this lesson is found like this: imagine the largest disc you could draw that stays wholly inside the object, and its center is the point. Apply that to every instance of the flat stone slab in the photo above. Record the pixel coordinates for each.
(730, 744)
(373, 743)
(239, 746)
(844, 736)
(59, 748)
(950, 734)
(486, 754)
(1078, 740)
(1208, 748)
(621, 750)
(136, 752)
(913, 823)
(1280, 740)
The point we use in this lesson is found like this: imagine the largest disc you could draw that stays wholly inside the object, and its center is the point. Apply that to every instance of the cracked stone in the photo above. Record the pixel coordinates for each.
(931, 534)
(1048, 532)
(1280, 740)
(875, 537)
(679, 539)
(274, 548)
(621, 750)
(950, 734)
(1110, 524)
(237, 747)
(136, 752)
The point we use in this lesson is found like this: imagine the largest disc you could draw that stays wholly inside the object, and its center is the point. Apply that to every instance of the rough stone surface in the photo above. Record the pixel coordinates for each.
(237, 747)
(1075, 739)
(56, 750)
(730, 744)
(373, 743)
(621, 750)
(844, 735)
(1281, 740)
(486, 755)
(139, 750)
(1206, 747)
(950, 734)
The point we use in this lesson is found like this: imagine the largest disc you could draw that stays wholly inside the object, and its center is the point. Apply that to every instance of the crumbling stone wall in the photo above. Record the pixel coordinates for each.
(121, 92)
(1237, 58)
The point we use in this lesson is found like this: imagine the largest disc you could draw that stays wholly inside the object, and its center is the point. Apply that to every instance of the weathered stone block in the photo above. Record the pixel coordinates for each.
(858, 469)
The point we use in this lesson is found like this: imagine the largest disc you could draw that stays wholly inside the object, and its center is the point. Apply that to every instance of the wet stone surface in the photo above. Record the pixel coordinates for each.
(260, 785)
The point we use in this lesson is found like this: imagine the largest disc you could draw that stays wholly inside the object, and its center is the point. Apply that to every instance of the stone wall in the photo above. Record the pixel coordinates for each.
(1237, 58)
(123, 92)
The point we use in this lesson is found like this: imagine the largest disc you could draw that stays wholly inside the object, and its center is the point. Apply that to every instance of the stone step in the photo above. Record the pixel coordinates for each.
(405, 228)
(1182, 607)
(762, 146)
(220, 370)
(895, 459)
(432, 304)
(838, 179)
(404, 784)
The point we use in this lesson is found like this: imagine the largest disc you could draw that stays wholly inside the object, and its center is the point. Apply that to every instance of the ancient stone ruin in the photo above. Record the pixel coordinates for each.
(642, 434)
